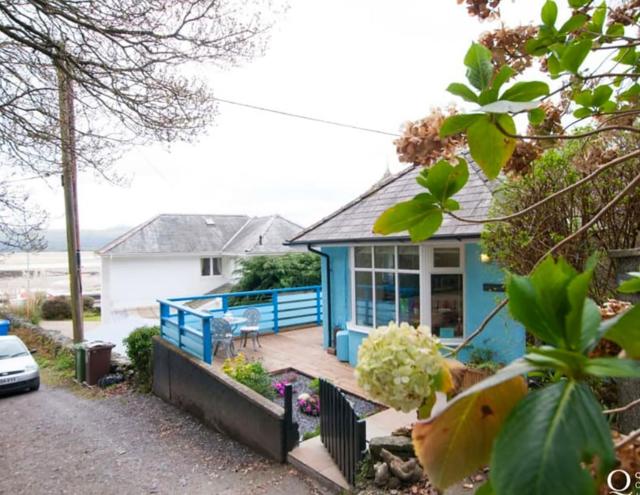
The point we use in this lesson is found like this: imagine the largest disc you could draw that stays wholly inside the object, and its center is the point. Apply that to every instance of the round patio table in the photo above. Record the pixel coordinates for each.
(235, 322)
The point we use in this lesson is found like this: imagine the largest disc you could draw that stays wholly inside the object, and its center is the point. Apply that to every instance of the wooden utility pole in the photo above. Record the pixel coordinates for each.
(69, 183)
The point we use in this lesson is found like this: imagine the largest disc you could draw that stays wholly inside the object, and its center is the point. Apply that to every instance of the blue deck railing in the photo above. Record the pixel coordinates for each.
(190, 328)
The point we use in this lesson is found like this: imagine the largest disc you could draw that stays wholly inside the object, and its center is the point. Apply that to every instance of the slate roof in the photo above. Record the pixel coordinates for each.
(354, 221)
(215, 234)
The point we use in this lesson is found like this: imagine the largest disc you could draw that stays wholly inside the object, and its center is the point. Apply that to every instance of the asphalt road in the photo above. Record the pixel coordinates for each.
(54, 441)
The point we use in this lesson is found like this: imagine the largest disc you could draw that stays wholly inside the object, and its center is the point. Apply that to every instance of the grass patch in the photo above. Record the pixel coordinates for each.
(310, 434)
(91, 316)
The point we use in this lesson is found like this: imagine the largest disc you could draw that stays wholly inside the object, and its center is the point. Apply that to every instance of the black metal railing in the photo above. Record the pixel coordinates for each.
(342, 432)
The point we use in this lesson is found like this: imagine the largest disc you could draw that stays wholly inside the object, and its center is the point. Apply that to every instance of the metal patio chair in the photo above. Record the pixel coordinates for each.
(222, 335)
(251, 328)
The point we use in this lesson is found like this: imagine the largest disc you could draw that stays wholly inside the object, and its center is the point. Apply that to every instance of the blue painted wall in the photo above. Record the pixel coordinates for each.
(503, 336)
(340, 289)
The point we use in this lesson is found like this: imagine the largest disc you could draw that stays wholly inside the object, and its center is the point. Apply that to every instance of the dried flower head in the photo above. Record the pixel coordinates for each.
(421, 143)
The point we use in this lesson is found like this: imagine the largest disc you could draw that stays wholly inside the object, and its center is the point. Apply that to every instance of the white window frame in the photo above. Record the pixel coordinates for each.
(425, 271)
(211, 265)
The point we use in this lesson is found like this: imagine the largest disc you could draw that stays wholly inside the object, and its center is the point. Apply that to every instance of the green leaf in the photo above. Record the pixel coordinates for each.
(540, 302)
(613, 367)
(536, 46)
(583, 319)
(626, 56)
(479, 67)
(427, 226)
(444, 180)
(560, 426)
(456, 124)
(583, 98)
(422, 180)
(458, 440)
(404, 215)
(574, 23)
(576, 4)
(631, 93)
(502, 76)
(536, 116)
(616, 29)
(451, 205)
(464, 91)
(581, 113)
(569, 363)
(575, 54)
(631, 285)
(598, 17)
(624, 330)
(549, 13)
(525, 91)
(485, 489)
(553, 64)
(601, 94)
(489, 146)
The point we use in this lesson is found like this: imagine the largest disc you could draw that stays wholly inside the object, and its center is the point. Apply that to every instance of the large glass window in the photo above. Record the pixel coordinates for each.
(446, 305)
(409, 298)
(387, 285)
(385, 298)
(364, 299)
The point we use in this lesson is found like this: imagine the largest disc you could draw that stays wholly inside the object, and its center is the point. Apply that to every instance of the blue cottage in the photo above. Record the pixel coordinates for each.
(369, 280)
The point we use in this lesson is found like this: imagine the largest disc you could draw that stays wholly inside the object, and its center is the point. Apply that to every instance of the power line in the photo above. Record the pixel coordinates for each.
(306, 117)
(23, 179)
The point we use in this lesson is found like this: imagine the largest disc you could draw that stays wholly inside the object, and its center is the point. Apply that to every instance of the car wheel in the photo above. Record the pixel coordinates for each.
(36, 384)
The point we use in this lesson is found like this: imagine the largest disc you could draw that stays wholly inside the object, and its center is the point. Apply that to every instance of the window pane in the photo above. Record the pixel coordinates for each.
(408, 257)
(385, 256)
(364, 299)
(362, 256)
(205, 267)
(446, 305)
(409, 288)
(446, 257)
(385, 298)
(217, 266)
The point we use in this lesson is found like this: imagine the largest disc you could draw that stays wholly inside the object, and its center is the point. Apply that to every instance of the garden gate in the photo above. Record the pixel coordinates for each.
(342, 433)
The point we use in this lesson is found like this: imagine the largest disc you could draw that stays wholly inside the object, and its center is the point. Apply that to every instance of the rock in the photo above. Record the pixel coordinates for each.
(405, 471)
(381, 476)
(393, 483)
(399, 446)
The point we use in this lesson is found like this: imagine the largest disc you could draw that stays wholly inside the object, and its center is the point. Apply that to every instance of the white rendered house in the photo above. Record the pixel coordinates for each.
(174, 255)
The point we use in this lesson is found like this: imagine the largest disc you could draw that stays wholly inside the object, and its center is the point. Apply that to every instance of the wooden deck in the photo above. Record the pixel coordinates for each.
(300, 349)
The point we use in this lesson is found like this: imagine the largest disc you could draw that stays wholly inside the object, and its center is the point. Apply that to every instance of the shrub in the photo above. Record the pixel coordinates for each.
(314, 385)
(30, 309)
(87, 303)
(249, 373)
(139, 347)
(56, 308)
(310, 434)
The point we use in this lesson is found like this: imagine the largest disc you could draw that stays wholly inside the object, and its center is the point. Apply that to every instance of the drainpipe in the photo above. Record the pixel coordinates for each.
(327, 313)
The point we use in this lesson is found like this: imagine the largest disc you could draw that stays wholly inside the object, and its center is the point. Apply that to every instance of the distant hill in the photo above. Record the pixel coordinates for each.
(90, 240)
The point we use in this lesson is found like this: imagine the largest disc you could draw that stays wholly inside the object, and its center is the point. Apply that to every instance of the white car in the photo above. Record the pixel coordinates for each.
(18, 369)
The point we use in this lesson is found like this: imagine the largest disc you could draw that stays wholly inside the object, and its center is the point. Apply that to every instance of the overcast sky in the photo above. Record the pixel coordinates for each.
(371, 63)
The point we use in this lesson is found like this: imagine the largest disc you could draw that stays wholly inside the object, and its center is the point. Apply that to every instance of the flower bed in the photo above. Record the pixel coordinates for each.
(303, 384)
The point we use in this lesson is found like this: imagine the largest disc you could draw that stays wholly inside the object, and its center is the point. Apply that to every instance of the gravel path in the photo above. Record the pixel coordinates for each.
(53, 441)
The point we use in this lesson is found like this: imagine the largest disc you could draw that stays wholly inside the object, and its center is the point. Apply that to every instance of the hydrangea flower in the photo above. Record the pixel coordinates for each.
(401, 365)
